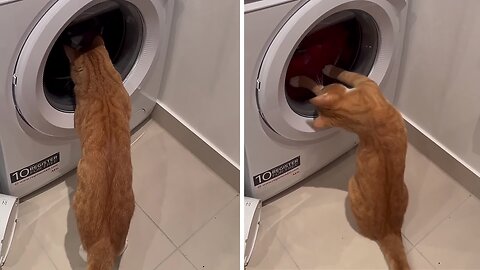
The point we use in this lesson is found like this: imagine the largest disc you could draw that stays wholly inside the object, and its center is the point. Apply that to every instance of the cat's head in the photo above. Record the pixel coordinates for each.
(341, 106)
(81, 60)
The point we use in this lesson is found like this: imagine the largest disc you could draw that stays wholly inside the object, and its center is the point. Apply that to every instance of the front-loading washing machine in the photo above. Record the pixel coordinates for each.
(38, 142)
(289, 38)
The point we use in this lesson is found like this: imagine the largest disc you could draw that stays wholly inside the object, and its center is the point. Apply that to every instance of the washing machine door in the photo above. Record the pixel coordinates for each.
(42, 88)
(356, 35)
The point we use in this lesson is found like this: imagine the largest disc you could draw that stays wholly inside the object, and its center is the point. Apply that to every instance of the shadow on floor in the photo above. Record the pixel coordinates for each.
(328, 178)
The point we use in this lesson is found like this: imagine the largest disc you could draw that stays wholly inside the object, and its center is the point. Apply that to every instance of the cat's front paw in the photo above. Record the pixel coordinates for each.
(295, 81)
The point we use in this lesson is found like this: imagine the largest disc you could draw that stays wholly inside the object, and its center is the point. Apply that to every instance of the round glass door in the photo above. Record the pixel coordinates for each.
(355, 35)
(347, 39)
(42, 88)
(122, 30)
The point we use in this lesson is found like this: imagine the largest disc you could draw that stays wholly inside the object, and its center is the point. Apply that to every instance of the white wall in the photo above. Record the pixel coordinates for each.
(440, 80)
(202, 75)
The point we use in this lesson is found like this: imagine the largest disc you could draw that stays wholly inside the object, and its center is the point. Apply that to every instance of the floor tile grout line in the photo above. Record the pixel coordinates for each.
(286, 249)
(208, 221)
(177, 248)
(45, 250)
(288, 252)
(171, 254)
(188, 238)
(186, 258)
(163, 130)
(171, 241)
(426, 259)
(156, 225)
(404, 236)
(166, 258)
(441, 221)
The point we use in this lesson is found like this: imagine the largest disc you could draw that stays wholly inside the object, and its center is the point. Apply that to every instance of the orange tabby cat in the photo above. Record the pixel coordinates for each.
(377, 192)
(104, 201)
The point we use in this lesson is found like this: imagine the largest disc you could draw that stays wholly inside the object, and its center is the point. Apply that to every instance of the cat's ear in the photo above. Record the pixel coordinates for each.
(322, 122)
(97, 41)
(72, 54)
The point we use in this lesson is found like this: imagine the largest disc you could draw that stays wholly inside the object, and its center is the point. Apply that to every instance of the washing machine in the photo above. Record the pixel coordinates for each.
(289, 38)
(38, 142)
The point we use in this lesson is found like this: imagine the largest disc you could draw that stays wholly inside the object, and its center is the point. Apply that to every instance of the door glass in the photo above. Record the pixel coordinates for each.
(121, 27)
(347, 39)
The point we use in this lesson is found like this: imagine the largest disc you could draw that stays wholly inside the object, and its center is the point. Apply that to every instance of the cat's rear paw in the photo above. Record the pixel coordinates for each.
(82, 253)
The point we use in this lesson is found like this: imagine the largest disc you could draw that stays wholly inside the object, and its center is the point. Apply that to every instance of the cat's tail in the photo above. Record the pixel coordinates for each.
(101, 255)
(394, 251)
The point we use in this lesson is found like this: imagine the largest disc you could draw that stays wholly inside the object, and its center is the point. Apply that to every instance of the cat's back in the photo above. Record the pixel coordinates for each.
(103, 106)
(102, 120)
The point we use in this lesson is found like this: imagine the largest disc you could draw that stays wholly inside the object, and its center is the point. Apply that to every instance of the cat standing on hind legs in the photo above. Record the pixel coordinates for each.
(377, 192)
(104, 200)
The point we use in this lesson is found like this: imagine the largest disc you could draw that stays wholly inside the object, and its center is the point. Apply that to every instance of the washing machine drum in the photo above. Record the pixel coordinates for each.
(123, 41)
(354, 35)
(43, 89)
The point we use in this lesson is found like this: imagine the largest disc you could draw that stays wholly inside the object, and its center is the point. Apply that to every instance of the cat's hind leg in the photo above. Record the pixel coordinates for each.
(370, 223)
(83, 253)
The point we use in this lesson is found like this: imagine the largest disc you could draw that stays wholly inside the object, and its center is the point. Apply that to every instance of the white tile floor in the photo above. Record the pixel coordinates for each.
(186, 217)
(308, 228)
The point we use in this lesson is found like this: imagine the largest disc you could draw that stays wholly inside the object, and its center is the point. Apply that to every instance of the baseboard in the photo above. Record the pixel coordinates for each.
(443, 158)
(220, 164)
(200, 147)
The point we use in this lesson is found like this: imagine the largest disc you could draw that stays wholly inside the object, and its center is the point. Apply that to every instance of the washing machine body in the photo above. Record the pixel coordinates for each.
(289, 38)
(38, 142)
